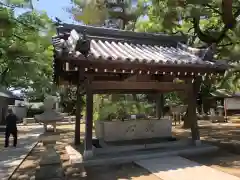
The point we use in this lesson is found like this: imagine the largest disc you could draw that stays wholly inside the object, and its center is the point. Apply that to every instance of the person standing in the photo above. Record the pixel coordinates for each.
(11, 128)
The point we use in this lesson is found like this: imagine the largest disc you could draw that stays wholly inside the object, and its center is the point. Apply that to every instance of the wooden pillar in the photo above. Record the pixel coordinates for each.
(77, 121)
(89, 121)
(77, 139)
(159, 105)
(192, 104)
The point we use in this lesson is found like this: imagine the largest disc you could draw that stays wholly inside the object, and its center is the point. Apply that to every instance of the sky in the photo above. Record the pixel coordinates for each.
(55, 8)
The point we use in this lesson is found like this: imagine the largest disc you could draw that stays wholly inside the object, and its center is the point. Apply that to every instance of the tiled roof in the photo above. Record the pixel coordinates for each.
(110, 50)
(123, 49)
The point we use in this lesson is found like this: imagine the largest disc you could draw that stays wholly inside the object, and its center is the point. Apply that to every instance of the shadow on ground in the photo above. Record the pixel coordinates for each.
(225, 136)
(116, 172)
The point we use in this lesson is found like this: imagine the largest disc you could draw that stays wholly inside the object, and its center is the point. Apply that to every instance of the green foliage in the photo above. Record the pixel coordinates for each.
(97, 12)
(69, 99)
(120, 107)
(93, 12)
(176, 17)
(25, 48)
(19, 3)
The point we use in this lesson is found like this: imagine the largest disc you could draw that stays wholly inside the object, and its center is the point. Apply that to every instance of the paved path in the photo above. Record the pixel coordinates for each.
(178, 168)
(11, 157)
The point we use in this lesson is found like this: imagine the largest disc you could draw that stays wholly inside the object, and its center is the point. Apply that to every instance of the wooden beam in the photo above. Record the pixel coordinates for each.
(91, 62)
(71, 77)
(139, 86)
(139, 77)
(133, 91)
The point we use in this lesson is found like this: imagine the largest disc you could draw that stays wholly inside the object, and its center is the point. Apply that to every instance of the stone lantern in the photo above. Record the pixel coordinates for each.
(221, 117)
(220, 111)
(49, 138)
(50, 116)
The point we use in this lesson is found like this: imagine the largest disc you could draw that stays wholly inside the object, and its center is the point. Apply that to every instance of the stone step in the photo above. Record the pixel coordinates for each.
(74, 155)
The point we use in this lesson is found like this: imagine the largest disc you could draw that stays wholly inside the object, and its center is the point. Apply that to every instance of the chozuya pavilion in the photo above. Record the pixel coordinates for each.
(107, 61)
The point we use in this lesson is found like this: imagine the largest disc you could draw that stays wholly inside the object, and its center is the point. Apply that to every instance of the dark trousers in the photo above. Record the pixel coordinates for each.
(9, 132)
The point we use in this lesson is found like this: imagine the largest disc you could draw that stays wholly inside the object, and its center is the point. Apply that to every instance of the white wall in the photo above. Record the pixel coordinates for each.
(232, 103)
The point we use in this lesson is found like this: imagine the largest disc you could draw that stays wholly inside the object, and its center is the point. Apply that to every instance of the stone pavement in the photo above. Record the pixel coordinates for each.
(12, 157)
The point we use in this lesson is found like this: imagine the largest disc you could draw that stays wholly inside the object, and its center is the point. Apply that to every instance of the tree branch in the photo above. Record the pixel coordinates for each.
(190, 29)
(26, 25)
(212, 8)
(227, 27)
(201, 35)
(229, 20)
(18, 6)
(228, 44)
(20, 38)
(20, 22)
(3, 76)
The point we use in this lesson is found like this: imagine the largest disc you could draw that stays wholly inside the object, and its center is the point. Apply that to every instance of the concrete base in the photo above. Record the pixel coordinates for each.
(106, 149)
(87, 154)
(91, 158)
(136, 155)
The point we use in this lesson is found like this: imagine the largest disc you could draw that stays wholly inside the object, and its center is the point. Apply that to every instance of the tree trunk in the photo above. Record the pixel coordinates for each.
(227, 14)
